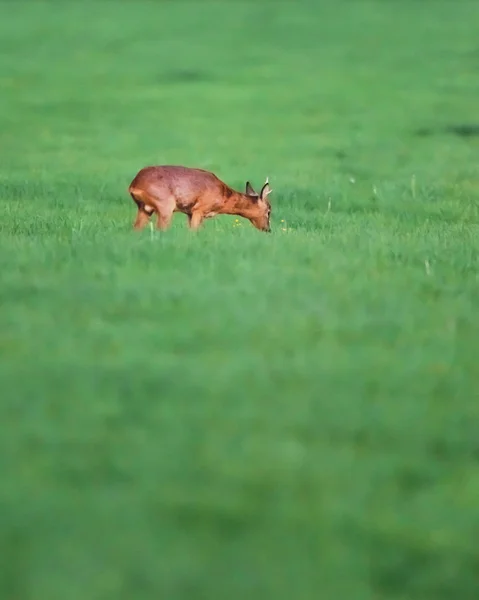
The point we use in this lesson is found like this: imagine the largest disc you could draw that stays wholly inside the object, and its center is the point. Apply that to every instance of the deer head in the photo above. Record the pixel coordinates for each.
(260, 211)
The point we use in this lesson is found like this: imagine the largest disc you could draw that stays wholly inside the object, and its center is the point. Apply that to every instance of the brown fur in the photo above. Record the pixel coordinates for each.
(199, 194)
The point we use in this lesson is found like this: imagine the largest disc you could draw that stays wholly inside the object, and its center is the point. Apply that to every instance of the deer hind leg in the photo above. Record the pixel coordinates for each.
(148, 204)
(142, 218)
(144, 212)
(164, 213)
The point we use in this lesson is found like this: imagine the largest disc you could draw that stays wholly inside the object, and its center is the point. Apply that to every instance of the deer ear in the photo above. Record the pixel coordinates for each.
(265, 191)
(249, 190)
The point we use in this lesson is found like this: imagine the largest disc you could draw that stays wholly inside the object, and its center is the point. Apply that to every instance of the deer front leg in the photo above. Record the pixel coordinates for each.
(195, 220)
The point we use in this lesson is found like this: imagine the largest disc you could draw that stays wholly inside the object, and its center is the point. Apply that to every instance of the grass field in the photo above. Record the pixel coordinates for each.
(232, 414)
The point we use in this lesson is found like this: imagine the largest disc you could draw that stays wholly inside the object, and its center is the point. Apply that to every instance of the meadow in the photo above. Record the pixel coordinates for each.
(229, 413)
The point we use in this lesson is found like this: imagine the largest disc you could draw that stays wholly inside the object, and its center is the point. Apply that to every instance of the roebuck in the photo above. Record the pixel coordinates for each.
(197, 193)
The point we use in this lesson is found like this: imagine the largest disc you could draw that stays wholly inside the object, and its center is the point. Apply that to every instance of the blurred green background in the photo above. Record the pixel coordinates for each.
(234, 414)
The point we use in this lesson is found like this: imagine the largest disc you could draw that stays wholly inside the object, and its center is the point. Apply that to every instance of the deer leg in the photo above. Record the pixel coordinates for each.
(163, 220)
(142, 218)
(195, 220)
(164, 212)
(144, 212)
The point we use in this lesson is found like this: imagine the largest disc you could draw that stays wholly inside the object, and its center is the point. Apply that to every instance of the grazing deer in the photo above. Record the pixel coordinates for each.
(199, 194)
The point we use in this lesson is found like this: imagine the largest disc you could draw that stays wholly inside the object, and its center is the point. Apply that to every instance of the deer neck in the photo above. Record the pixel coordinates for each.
(238, 204)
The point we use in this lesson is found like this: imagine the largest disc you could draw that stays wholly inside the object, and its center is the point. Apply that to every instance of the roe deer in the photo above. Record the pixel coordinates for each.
(199, 194)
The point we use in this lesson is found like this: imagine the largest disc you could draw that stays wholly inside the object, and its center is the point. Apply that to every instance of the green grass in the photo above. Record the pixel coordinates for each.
(231, 414)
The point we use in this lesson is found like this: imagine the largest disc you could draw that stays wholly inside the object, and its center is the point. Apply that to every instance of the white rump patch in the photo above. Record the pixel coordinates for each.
(148, 209)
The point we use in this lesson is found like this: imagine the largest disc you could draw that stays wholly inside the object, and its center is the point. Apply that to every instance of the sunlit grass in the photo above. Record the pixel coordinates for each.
(226, 413)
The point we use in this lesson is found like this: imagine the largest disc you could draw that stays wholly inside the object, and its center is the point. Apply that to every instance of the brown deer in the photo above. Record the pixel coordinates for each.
(197, 193)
